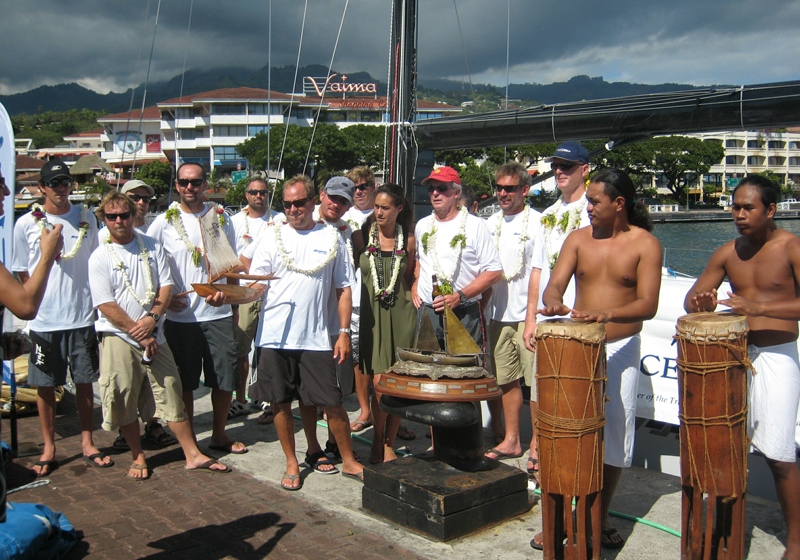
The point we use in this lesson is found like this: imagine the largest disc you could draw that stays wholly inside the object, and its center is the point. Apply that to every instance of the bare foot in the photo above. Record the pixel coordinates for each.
(376, 455)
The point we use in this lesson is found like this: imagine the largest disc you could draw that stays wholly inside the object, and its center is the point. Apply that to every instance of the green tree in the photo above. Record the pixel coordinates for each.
(157, 174)
(235, 195)
(364, 145)
(48, 129)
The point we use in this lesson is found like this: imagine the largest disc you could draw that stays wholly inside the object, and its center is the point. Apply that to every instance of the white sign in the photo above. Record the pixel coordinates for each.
(319, 86)
(8, 163)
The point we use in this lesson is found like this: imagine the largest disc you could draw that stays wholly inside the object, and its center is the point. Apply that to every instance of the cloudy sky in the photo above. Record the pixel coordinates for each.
(98, 43)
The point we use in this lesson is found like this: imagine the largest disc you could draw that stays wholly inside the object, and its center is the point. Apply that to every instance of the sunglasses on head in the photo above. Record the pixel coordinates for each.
(253, 192)
(193, 182)
(562, 166)
(63, 182)
(509, 188)
(364, 186)
(139, 198)
(440, 188)
(299, 203)
(113, 217)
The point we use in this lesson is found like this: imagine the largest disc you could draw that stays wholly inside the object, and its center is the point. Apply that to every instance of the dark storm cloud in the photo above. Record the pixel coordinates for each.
(98, 42)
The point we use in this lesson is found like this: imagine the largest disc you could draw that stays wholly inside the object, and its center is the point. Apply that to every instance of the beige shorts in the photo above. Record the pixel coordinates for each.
(511, 359)
(245, 329)
(128, 386)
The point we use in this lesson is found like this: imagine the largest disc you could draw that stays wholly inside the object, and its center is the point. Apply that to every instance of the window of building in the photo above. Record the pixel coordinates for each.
(336, 116)
(776, 160)
(226, 153)
(734, 143)
(794, 161)
(167, 116)
(371, 116)
(228, 109)
(254, 129)
(794, 145)
(190, 133)
(426, 116)
(755, 160)
(263, 109)
(734, 160)
(232, 130)
(194, 154)
(185, 113)
(755, 143)
(776, 144)
(301, 113)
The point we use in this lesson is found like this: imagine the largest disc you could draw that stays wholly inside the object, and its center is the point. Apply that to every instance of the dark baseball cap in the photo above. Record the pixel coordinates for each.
(570, 151)
(340, 186)
(53, 169)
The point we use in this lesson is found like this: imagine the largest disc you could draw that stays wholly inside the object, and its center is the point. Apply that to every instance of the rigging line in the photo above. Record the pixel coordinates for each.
(386, 113)
(508, 49)
(180, 95)
(269, 100)
(322, 97)
(464, 48)
(133, 92)
(146, 80)
(294, 86)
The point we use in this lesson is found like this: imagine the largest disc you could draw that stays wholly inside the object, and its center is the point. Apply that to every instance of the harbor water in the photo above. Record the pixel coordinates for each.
(688, 246)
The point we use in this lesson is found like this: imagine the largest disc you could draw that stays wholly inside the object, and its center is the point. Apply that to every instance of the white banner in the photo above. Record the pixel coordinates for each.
(8, 164)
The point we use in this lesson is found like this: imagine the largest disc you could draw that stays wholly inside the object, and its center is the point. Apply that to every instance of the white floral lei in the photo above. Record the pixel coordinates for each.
(459, 241)
(40, 219)
(341, 226)
(144, 257)
(523, 240)
(246, 235)
(555, 230)
(176, 221)
(374, 249)
(288, 261)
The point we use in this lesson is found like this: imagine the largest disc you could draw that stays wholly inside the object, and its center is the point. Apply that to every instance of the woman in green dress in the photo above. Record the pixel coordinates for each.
(385, 249)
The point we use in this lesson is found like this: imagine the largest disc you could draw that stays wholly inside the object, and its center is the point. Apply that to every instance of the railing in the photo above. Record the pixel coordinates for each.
(664, 208)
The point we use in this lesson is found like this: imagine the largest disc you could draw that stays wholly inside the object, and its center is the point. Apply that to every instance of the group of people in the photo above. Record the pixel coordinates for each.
(355, 278)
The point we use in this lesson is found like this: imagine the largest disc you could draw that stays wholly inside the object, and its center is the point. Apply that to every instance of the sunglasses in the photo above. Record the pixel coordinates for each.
(55, 183)
(139, 198)
(441, 189)
(340, 200)
(364, 186)
(253, 192)
(193, 182)
(113, 217)
(562, 166)
(299, 203)
(509, 188)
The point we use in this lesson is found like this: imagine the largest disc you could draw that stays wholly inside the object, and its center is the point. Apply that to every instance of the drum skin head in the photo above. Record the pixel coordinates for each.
(589, 332)
(712, 326)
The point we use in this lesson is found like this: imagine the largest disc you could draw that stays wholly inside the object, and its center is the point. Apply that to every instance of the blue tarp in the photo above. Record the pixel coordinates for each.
(35, 532)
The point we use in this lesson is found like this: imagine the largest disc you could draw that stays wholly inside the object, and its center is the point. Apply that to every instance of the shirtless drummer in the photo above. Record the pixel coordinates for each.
(763, 267)
(617, 269)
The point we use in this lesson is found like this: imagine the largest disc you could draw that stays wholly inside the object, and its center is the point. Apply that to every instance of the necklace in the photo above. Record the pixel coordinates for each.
(175, 219)
(40, 219)
(288, 261)
(523, 240)
(246, 235)
(458, 242)
(387, 295)
(343, 227)
(557, 229)
(144, 258)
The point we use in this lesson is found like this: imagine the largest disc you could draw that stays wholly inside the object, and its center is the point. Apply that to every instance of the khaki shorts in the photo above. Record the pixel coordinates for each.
(511, 359)
(127, 385)
(245, 329)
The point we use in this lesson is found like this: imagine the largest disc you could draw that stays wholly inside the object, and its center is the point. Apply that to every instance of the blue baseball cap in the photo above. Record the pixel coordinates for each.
(570, 151)
(340, 186)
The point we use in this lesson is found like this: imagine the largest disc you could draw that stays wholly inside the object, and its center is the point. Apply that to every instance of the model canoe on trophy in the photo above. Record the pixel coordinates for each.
(222, 263)
(428, 372)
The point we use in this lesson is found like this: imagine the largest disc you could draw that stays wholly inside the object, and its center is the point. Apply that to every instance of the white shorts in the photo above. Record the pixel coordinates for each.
(622, 370)
(774, 392)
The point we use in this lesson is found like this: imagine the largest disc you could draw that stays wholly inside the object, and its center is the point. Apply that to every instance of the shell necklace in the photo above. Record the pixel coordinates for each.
(40, 219)
(144, 258)
(288, 261)
(523, 240)
(557, 229)
(386, 295)
(458, 242)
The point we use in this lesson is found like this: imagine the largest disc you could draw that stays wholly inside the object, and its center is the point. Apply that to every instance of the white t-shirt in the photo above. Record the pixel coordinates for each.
(184, 271)
(346, 231)
(67, 302)
(248, 229)
(477, 257)
(554, 238)
(107, 281)
(356, 217)
(102, 235)
(510, 297)
(296, 313)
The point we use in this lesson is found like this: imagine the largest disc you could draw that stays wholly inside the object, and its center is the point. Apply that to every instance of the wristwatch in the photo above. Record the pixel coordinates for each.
(462, 297)
(344, 330)
(155, 316)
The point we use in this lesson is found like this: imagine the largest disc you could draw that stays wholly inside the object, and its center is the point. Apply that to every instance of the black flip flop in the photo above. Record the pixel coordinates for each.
(91, 460)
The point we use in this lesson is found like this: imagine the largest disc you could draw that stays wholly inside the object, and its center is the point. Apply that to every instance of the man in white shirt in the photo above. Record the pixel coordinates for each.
(516, 234)
(131, 286)
(457, 248)
(296, 358)
(63, 331)
(250, 224)
(363, 198)
(199, 330)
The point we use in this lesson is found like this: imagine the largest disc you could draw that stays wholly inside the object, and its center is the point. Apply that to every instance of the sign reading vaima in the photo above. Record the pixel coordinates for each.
(319, 86)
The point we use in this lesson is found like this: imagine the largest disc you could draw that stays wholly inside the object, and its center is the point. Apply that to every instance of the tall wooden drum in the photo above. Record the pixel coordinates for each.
(570, 380)
(712, 381)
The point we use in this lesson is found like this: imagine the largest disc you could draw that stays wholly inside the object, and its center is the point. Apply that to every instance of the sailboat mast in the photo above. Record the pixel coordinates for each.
(402, 97)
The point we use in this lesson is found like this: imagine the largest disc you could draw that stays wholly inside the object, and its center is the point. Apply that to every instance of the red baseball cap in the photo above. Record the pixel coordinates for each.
(445, 175)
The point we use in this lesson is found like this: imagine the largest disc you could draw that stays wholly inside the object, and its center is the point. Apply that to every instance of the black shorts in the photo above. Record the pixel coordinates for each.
(285, 375)
(54, 352)
(207, 347)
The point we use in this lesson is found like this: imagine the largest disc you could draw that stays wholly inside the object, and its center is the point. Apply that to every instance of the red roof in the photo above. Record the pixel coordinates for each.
(28, 163)
(241, 93)
(88, 134)
(150, 114)
(376, 103)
